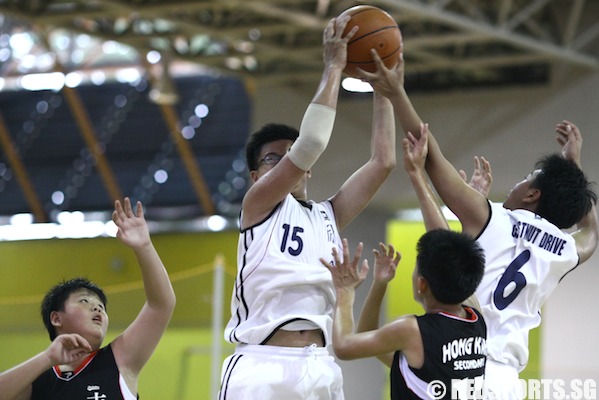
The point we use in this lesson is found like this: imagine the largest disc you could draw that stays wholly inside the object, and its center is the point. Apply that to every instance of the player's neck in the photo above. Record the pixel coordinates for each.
(68, 369)
(453, 309)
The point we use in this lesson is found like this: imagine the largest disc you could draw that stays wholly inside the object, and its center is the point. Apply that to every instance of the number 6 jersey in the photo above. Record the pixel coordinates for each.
(526, 257)
(280, 279)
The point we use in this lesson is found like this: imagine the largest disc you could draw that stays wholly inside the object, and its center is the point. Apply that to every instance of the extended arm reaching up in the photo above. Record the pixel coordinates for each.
(470, 206)
(133, 348)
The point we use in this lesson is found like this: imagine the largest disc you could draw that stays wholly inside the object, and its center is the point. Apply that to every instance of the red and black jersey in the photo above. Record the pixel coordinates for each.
(455, 353)
(97, 378)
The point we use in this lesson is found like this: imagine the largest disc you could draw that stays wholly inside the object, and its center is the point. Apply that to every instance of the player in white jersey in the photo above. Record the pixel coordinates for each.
(282, 302)
(523, 268)
(526, 252)
(274, 262)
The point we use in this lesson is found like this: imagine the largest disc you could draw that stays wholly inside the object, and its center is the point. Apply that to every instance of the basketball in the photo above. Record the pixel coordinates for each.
(376, 30)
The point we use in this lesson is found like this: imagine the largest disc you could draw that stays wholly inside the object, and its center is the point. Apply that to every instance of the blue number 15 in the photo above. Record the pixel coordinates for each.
(295, 237)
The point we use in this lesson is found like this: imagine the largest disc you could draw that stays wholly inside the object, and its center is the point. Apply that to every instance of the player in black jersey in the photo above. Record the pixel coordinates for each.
(75, 365)
(430, 353)
(440, 354)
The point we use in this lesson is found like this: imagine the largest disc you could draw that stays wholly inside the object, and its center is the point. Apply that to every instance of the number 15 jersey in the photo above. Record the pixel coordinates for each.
(525, 258)
(280, 279)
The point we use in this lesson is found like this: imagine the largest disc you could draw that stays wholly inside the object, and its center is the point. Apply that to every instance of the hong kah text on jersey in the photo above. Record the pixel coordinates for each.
(464, 347)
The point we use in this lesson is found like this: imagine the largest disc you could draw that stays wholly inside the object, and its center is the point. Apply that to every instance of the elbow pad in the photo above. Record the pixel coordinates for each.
(315, 132)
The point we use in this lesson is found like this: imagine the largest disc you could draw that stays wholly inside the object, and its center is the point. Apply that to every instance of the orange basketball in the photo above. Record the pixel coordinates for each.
(376, 30)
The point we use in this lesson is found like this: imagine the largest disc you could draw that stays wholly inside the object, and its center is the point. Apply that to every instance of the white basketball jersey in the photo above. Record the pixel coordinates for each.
(526, 257)
(280, 278)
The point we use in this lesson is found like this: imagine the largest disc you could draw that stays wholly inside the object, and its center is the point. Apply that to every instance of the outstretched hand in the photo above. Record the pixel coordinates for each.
(335, 44)
(482, 177)
(132, 227)
(385, 81)
(385, 263)
(68, 348)
(415, 150)
(569, 137)
(346, 274)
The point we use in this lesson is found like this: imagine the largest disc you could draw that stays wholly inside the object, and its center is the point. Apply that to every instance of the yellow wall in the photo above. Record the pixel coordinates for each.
(29, 268)
(400, 301)
(180, 369)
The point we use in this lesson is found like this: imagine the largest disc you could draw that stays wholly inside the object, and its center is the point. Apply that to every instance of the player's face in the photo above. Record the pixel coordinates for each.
(270, 155)
(85, 314)
(515, 198)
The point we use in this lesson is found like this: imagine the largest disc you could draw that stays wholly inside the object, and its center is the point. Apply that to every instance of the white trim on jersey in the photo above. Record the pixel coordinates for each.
(414, 383)
(127, 395)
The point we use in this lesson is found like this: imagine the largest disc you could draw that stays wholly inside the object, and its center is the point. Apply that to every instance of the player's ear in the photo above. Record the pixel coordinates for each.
(254, 175)
(55, 318)
(421, 285)
(532, 195)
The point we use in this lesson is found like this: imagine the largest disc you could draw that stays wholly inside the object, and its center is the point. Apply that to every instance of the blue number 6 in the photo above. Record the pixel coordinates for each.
(512, 274)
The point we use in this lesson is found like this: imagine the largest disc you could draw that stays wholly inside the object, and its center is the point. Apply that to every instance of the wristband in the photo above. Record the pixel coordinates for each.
(315, 132)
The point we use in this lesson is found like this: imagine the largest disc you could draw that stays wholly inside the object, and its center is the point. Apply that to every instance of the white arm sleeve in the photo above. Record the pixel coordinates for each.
(315, 132)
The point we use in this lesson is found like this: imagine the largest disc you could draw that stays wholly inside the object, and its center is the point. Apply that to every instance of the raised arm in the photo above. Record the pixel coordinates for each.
(355, 194)
(401, 334)
(385, 263)
(470, 206)
(414, 155)
(314, 134)
(346, 278)
(133, 348)
(587, 233)
(415, 151)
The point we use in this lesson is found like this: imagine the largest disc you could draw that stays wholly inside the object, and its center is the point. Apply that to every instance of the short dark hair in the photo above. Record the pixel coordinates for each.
(57, 296)
(452, 264)
(566, 194)
(268, 133)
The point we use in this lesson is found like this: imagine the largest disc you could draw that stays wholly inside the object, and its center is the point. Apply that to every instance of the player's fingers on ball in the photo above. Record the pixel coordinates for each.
(375, 56)
(351, 33)
(330, 27)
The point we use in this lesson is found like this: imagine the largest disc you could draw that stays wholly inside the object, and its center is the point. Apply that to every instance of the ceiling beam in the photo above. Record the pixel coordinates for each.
(189, 161)
(434, 13)
(86, 131)
(15, 162)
